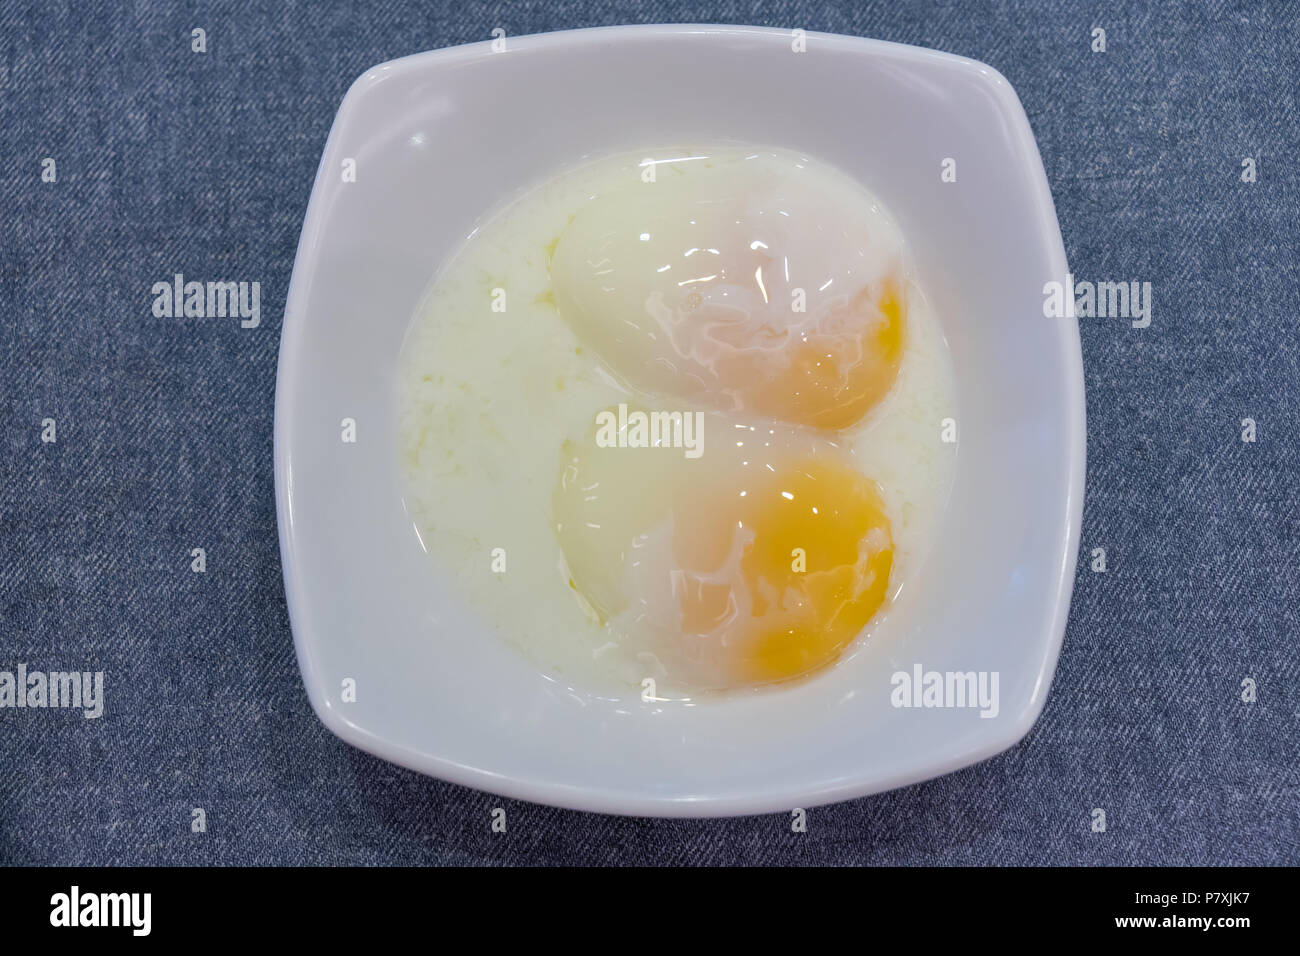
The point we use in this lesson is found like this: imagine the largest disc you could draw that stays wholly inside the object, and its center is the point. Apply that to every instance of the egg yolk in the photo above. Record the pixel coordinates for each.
(775, 579)
(831, 375)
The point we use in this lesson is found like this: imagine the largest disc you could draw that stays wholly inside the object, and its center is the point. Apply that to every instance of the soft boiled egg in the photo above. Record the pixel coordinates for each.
(757, 562)
(752, 281)
(754, 290)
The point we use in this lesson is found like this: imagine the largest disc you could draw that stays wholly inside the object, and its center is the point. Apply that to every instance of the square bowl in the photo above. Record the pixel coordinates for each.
(395, 664)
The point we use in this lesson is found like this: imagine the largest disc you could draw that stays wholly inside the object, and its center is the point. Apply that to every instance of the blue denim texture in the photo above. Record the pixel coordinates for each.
(173, 162)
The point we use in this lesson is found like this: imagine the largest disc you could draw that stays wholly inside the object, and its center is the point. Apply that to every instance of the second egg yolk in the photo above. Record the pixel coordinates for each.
(774, 579)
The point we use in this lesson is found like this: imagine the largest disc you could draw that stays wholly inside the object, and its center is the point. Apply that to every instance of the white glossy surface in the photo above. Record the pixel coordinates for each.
(442, 138)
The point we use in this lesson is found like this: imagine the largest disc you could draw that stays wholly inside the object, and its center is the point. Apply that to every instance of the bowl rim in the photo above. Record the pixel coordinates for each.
(595, 799)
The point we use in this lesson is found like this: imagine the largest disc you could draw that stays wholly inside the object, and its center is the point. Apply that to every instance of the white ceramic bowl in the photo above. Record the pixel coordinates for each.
(441, 138)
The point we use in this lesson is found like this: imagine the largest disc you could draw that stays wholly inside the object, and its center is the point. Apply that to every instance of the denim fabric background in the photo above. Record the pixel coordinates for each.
(174, 162)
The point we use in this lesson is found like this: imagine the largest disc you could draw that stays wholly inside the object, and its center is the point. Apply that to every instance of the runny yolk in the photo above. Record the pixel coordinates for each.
(835, 372)
(775, 579)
